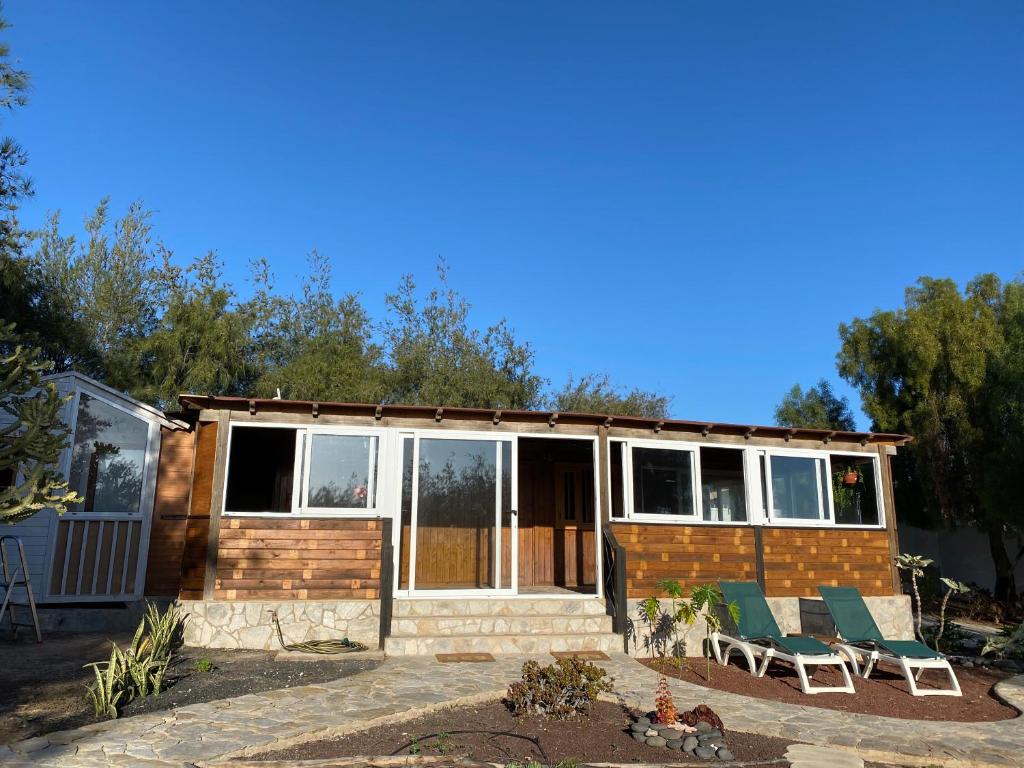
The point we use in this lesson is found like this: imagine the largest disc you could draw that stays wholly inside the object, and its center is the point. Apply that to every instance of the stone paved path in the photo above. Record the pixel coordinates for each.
(255, 723)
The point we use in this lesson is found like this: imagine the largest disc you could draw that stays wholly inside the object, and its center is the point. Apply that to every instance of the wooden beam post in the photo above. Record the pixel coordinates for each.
(220, 468)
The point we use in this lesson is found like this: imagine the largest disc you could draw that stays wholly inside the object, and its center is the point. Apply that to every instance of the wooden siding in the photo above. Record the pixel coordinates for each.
(170, 512)
(797, 560)
(95, 557)
(197, 526)
(298, 559)
(691, 554)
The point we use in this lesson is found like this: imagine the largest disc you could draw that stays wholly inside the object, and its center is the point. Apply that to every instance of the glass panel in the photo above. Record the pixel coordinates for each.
(506, 515)
(261, 470)
(854, 494)
(615, 462)
(662, 482)
(341, 468)
(456, 514)
(407, 466)
(795, 487)
(108, 458)
(721, 476)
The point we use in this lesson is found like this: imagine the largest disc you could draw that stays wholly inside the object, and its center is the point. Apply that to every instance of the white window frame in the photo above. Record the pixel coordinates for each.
(876, 464)
(821, 521)
(695, 489)
(300, 483)
(372, 472)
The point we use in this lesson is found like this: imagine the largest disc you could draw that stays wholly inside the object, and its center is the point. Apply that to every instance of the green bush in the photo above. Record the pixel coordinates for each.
(203, 664)
(562, 690)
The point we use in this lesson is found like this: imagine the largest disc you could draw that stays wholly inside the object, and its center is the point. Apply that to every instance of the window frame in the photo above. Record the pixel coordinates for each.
(150, 458)
(629, 500)
(820, 522)
(300, 483)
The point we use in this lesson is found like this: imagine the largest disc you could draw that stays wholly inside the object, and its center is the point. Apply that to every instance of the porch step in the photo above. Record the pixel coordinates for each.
(501, 644)
(499, 607)
(500, 625)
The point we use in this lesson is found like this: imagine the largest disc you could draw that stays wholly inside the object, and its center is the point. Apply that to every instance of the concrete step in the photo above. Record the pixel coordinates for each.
(445, 626)
(501, 644)
(498, 606)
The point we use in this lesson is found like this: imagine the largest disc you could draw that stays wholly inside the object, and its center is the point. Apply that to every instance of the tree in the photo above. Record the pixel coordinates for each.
(595, 393)
(200, 343)
(817, 408)
(436, 358)
(314, 347)
(32, 436)
(947, 368)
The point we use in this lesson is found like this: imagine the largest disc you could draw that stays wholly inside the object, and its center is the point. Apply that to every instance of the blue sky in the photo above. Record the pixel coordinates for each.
(689, 197)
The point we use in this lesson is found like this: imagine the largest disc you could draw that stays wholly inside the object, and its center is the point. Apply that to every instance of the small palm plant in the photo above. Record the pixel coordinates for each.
(682, 612)
(650, 610)
(704, 599)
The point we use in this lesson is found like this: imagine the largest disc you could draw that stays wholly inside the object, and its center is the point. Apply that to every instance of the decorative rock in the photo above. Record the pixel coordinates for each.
(644, 721)
(724, 754)
(706, 739)
(703, 726)
(714, 732)
(705, 753)
(639, 727)
(638, 736)
(674, 743)
(650, 732)
(690, 743)
(656, 741)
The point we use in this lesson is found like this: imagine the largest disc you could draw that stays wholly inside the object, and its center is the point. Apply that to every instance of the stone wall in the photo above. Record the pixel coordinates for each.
(247, 623)
(892, 614)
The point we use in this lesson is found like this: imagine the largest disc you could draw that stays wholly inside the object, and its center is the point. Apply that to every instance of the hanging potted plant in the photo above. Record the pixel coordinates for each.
(851, 476)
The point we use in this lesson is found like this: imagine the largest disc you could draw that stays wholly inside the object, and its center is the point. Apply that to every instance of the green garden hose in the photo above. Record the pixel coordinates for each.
(344, 645)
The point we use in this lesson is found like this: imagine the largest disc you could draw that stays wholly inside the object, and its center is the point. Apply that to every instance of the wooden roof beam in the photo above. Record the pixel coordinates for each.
(438, 415)
(749, 433)
(707, 430)
(496, 418)
(658, 426)
(552, 419)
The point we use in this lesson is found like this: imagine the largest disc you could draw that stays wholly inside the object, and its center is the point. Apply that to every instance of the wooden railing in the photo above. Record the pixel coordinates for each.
(387, 582)
(614, 570)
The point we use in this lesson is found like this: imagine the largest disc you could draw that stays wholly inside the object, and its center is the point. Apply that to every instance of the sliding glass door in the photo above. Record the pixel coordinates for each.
(459, 502)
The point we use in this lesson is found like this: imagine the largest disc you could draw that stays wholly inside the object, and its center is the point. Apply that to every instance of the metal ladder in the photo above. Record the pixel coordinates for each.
(19, 578)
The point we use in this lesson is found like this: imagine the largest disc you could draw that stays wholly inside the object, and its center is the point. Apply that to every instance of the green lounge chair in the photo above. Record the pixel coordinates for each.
(862, 642)
(758, 635)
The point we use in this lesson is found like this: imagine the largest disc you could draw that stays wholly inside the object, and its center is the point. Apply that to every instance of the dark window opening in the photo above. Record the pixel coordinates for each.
(724, 495)
(854, 494)
(261, 468)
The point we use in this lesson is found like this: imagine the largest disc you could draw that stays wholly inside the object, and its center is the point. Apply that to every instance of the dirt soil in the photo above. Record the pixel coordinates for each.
(490, 733)
(44, 685)
(884, 693)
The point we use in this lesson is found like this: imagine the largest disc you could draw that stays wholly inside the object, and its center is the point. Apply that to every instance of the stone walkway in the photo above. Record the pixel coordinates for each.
(402, 688)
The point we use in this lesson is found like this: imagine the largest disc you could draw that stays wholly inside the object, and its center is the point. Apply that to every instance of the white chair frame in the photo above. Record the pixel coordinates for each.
(870, 657)
(752, 651)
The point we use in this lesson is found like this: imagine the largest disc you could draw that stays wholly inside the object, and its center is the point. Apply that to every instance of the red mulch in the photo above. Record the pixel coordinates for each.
(490, 733)
(884, 693)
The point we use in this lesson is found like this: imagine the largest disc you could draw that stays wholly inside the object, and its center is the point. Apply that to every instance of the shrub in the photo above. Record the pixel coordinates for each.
(565, 689)
(203, 664)
(665, 711)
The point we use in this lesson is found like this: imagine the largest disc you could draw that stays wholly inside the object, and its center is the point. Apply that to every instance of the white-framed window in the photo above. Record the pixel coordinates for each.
(822, 488)
(674, 481)
(108, 458)
(282, 469)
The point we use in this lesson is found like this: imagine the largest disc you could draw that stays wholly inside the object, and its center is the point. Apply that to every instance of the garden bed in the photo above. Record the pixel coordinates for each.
(44, 685)
(885, 693)
(491, 733)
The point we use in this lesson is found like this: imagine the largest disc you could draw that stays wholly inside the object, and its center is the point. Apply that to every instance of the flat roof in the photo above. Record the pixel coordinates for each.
(552, 418)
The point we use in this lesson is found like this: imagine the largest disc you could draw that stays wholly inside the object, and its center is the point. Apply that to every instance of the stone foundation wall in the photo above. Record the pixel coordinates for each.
(892, 614)
(247, 623)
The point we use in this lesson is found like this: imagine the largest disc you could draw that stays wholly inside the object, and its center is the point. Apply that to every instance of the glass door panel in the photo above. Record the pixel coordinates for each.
(462, 517)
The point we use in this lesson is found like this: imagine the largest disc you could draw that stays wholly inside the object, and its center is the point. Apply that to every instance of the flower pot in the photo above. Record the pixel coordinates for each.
(850, 478)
